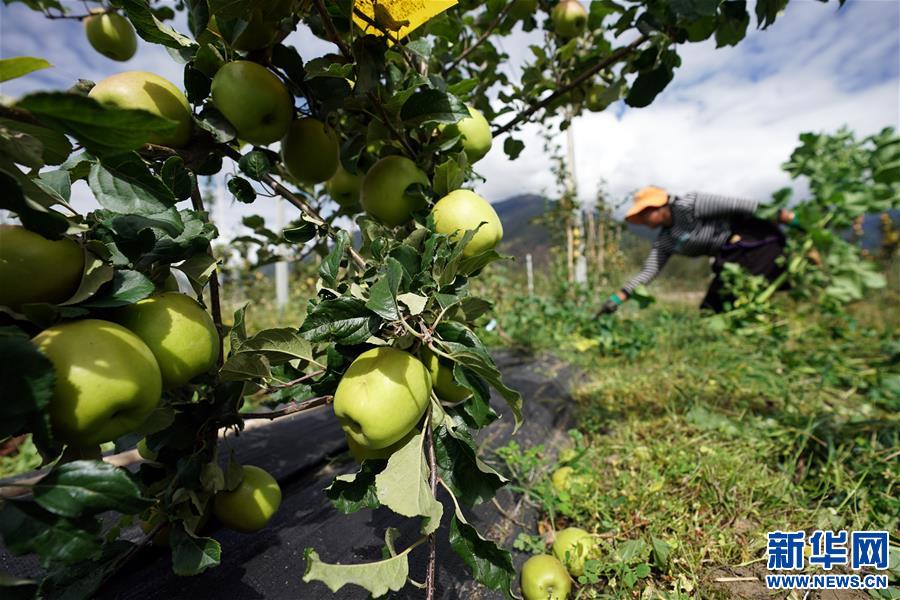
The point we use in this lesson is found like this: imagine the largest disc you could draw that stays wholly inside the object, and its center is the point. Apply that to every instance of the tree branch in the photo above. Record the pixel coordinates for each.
(432, 481)
(612, 58)
(216, 305)
(332, 32)
(485, 35)
(291, 409)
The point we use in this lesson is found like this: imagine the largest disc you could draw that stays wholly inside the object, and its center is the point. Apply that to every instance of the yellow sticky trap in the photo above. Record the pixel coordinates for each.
(398, 17)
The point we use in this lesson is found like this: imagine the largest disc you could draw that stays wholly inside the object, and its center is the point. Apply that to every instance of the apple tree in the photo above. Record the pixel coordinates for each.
(385, 130)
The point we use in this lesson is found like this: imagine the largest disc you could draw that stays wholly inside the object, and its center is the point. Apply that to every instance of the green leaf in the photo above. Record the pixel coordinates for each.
(433, 106)
(279, 345)
(733, 22)
(378, 578)
(471, 480)
(513, 147)
(403, 485)
(648, 85)
(124, 184)
(448, 176)
(242, 190)
(28, 380)
(255, 164)
(87, 487)
(661, 552)
(342, 320)
(55, 147)
(12, 68)
(330, 267)
(490, 564)
(48, 223)
(767, 11)
(199, 268)
(176, 177)
(383, 295)
(414, 302)
(26, 527)
(101, 129)
(126, 287)
(21, 148)
(152, 29)
(192, 555)
(351, 493)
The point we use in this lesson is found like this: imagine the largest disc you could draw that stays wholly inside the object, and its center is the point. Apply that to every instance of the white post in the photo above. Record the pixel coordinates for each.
(529, 268)
(281, 267)
(580, 260)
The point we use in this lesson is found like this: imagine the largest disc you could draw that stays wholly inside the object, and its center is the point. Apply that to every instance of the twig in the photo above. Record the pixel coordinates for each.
(289, 410)
(506, 514)
(332, 32)
(390, 125)
(485, 35)
(216, 305)
(291, 383)
(432, 480)
(612, 58)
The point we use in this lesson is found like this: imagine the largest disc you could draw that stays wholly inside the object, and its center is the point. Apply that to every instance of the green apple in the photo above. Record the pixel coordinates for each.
(569, 18)
(522, 9)
(382, 396)
(252, 504)
(545, 578)
(475, 132)
(384, 193)
(179, 332)
(310, 150)
(155, 94)
(361, 453)
(445, 386)
(344, 188)
(111, 35)
(254, 100)
(462, 210)
(561, 478)
(35, 269)
(107, 381)
(574, 546)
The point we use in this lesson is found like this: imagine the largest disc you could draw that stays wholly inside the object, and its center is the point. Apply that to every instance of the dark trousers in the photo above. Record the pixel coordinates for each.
(760, 243)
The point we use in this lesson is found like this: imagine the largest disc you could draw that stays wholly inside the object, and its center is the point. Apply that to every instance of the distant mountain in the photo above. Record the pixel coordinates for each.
(521, 235)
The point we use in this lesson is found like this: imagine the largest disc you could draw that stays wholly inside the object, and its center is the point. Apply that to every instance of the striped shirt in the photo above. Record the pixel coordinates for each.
(701, 224)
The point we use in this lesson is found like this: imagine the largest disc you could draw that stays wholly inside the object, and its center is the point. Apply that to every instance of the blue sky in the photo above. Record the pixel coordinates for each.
(725, 124)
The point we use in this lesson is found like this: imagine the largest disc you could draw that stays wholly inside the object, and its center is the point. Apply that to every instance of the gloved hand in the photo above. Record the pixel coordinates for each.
(611, 305)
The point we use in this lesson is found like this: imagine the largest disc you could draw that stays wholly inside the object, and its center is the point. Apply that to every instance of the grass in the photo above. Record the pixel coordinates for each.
(705, 441)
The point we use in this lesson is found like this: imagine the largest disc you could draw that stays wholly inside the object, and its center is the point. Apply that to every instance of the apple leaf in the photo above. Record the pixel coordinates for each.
(278, 345)
(12, 68)
(126, 287)
(732, 23)
(465, 348)
(490, 564)
(101, 129)
(192, 555)
(123, 183)
(377, 577)
(26, 527)
(403, 485)
(433, 106)
(152, 29)
(48, 223)
(199, 268)
(472, 481)
(331, 264)
(383, 295)
(28, 381)
(88, 486)
(342, 320)
(96, 273)
(353, 492)
(55, 146)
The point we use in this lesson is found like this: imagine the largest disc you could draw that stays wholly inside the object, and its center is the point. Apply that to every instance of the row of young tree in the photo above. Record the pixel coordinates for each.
(97, 345)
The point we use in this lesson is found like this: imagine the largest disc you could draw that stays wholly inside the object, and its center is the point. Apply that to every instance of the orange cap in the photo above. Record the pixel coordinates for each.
(647, 197)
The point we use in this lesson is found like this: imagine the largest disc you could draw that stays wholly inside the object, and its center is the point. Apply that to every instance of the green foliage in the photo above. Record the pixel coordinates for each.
(402, 286)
